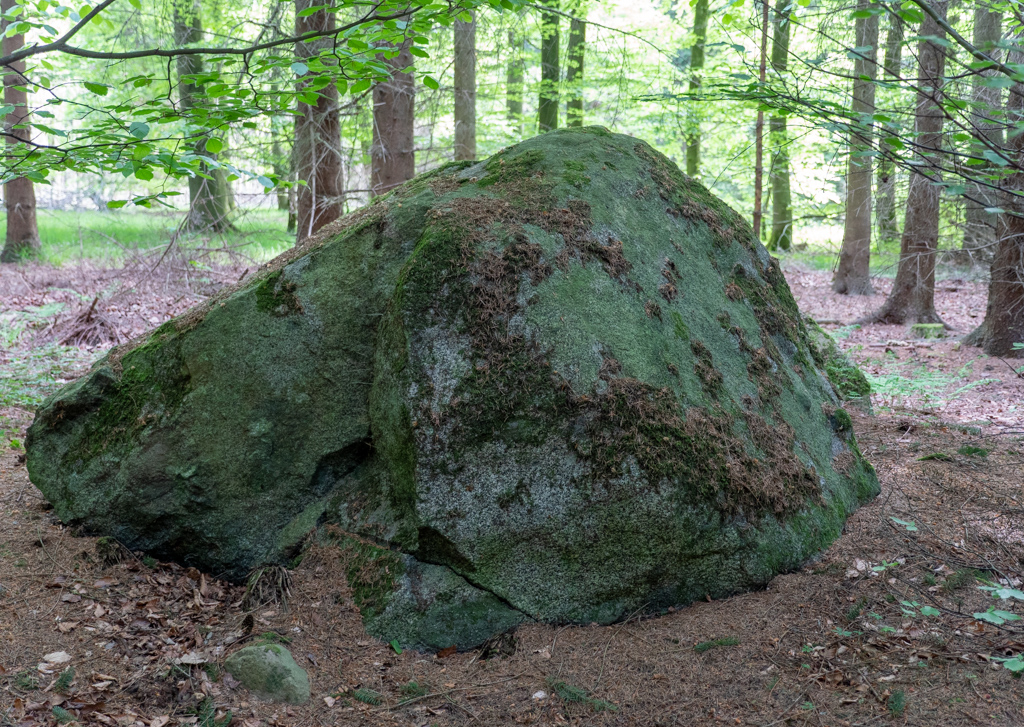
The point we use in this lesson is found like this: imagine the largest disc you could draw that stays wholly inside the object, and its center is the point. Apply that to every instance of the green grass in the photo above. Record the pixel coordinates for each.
(71, 236)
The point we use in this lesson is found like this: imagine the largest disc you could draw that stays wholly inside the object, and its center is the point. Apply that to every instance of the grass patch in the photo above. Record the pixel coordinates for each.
(715, 643)
(971, 451)
(69, 236)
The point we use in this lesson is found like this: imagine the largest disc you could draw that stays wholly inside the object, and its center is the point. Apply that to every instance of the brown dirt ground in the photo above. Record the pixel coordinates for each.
(832, 644)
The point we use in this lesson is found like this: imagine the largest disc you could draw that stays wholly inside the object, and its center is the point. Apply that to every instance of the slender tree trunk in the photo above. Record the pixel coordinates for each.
(700, 32)
(280, 163)
(885, 180)
(759, 127)
(547, 115)
(912, 299)
(514, 81)
(1004, 316)
(853, 276)
(206, 202)
(979, 225)
(782, 209)
(465, 90)
(393, 156)
(574, 56)
(317, 147)
(22, 240)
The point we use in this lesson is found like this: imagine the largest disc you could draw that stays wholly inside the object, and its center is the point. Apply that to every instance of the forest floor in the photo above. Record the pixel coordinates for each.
(880, 630)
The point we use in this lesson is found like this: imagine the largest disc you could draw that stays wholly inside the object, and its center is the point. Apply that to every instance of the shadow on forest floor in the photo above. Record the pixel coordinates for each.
(880, 630)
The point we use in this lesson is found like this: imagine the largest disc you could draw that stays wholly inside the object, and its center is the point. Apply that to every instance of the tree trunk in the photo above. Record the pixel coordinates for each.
(206, 203)
(514, 81)
(700, 32)
(22, 240)
(465, 90)
(317, 147)
(885, 180)
(782, 209)
(853, 276)
(393, 155)
(759, 127)
(547, 115)
(1004, 316)
(979, 225)
(574, 53)
(912, 299)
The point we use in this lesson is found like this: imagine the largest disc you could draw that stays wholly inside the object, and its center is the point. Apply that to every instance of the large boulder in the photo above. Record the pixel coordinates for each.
(563, 384)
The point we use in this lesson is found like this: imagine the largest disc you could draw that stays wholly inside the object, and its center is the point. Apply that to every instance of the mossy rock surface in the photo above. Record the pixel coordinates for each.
(564, 384)
(849, 382)
(270, 671)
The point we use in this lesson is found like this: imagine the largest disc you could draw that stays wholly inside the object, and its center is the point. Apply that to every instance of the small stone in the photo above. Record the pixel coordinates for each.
(270, 671)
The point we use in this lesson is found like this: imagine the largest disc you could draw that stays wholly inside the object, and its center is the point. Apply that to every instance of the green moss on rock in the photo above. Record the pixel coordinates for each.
(562, 384)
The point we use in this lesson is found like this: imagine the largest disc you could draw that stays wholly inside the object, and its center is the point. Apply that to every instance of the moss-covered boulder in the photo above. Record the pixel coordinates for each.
(563, 384)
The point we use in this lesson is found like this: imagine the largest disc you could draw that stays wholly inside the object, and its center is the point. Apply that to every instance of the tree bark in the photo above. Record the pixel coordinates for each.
(700, 32)
(853, 276)
(465, 90)
(317, 147)
(514, 81)
(22, 239)
(206, 210)
(759, 126)
(1004, 316)
(574, 56)
(782, 209)
(912, 299)
(547, 114)
(979, 225)
(885, 179)
(393, 156)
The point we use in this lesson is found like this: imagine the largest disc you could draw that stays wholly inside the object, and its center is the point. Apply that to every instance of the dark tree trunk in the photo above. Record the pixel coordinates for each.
(759, 129)
(514, 81)
(853, 276)
(22, 240)
(393, 155)
(912, 299)
(317, 147)
(979, 225)
(782, 210)
(1004, 316)
(700, 32)
(885, 179)
(206, 209)
(547, 115)
(574, 56)
(465, 90)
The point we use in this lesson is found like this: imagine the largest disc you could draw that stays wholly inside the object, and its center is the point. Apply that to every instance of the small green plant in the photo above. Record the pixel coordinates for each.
(715, 643)
(897, 703)
(64, 681)
(929, 579)
(63, 716)
(970, 451)
(206, 714)
(26, 681)
(395, 645)
(996, 616)
(1014, 664)
(272, 637)
(212, 671)
(935, 456)
(910, 525)
(569, 693)
(856, 610)
(150, 562)
(368, 696)
(959, 579)
(414, 689)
